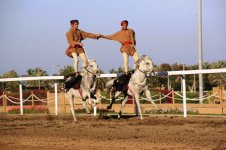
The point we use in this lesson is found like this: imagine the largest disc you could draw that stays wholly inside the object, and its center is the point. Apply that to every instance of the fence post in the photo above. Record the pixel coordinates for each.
(98, 93)
(56, 99)
(21, 99)
(160, 97)
(173, 97)
(48, 98)
(221, 100)
(62, 100)
(32, 98)
(184, 96)
(4, 101)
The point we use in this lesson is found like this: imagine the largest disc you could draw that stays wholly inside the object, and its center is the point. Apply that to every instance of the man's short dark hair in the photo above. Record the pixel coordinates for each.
(74, 21)
(124, 22)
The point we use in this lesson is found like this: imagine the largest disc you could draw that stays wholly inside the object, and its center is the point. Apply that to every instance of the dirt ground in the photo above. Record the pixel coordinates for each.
(44, 132)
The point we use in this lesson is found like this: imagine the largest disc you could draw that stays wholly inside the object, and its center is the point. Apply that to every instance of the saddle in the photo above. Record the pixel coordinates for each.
(121, 83)
(70, 81)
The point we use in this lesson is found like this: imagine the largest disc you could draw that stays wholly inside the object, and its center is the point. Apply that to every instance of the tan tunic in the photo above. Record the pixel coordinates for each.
(74, 36)
(126, 38)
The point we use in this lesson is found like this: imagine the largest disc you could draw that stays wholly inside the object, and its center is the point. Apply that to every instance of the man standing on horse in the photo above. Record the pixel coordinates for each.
(126, 37)
(75, 49)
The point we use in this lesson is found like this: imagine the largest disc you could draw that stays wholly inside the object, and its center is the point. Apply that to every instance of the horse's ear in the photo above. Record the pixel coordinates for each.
(92, 60)
(143, 56)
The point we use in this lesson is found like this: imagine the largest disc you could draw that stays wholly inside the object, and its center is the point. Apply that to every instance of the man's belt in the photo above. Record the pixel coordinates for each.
(76, 46)
(127, 43)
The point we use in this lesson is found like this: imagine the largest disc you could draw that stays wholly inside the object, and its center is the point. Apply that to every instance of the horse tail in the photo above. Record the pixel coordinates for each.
(109, 84)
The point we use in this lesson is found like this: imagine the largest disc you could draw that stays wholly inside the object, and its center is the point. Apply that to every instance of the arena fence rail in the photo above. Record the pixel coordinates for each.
(166, 73)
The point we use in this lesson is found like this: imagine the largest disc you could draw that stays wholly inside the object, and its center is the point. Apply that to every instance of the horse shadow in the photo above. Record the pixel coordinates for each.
(104, 114)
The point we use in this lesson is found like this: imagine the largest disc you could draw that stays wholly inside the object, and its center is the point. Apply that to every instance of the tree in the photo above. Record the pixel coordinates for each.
(66, 70)
(119, 70)
(101, 81)
(164, 67)
(156, 81)
(10, 85)
(37, 72)
(176, 80)
(194, 78)
(217, 79)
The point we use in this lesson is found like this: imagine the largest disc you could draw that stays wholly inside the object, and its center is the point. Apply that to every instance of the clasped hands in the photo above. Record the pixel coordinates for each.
(99, 36)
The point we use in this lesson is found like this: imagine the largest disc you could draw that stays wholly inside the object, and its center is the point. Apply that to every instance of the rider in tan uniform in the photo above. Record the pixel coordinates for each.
(126, 37)
(75, 49)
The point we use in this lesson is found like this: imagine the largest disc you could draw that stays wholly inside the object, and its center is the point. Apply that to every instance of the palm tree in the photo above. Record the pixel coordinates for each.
(101, 81)
(119, 70)
(36, 72)
(219, 78)
(10, 85)
(176, 80)
(66, 70)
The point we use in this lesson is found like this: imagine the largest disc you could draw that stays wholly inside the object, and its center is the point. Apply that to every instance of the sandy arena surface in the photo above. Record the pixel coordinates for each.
(45, 132)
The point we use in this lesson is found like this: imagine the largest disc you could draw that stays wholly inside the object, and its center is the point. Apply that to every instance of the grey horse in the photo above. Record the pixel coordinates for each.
(86, 88)
(135, 86)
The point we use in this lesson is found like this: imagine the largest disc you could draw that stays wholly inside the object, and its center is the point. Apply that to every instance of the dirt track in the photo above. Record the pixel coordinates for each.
(35, 132)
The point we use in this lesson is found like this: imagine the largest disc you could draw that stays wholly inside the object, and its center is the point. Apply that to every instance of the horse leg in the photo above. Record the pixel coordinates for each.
(71, 100)
(148, 95)
(96, 99)
(122, 106)
(112, 100)
(114, 96)
(84, 103)
(137, 98)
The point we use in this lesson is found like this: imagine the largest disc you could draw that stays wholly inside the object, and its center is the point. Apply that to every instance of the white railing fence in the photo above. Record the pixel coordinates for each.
(57, 78)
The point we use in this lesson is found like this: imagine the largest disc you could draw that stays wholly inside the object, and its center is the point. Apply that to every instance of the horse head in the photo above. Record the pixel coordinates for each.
(145, 64)
(92, 67)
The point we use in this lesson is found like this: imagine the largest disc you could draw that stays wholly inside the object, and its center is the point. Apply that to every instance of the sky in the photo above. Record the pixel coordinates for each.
(33, 32)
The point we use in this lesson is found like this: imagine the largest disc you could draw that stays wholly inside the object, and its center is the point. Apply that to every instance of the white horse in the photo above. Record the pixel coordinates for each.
(136, 85)
(86, 88)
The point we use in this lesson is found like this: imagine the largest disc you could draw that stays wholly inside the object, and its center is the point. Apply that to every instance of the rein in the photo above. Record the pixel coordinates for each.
(142, 71)
(89, 71)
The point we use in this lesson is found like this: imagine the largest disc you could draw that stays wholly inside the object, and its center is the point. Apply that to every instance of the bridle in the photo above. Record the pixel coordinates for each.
(89, 71)
(86, 68)
(144, 71)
